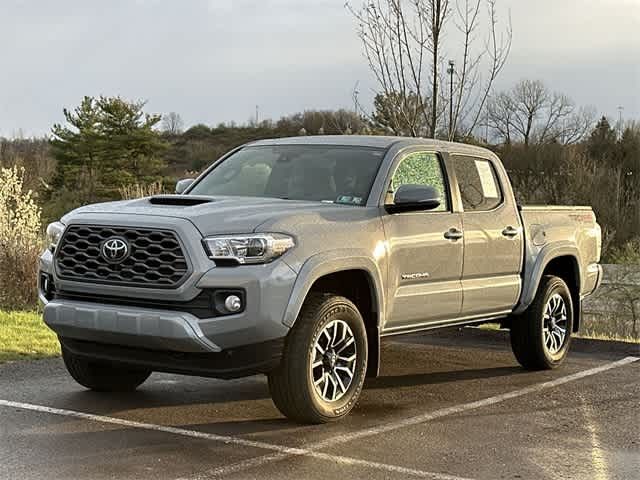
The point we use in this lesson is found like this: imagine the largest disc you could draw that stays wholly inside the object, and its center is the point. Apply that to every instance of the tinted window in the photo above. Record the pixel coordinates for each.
(296, 172)
(422, 169)
(479, 187)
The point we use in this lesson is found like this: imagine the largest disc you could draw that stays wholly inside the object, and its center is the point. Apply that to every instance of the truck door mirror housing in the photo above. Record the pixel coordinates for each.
(183, 184)
(415, 197)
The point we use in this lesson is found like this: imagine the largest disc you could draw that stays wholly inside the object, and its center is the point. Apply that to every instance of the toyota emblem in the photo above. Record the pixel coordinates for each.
(115, 250)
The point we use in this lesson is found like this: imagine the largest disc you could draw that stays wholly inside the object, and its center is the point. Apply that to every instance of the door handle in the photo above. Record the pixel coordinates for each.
(510, 231)
(453, 234)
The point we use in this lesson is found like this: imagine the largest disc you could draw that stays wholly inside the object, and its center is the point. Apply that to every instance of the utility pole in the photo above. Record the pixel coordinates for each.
(620, 109)
(356, 92)
(257, 116)
(450, 71)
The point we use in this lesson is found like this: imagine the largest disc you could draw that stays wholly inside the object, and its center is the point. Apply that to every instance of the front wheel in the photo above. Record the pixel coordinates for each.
(102, 376)
(324, 363)
(541, 336)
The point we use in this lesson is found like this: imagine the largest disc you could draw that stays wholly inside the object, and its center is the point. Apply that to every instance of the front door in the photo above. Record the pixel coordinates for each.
(425, 250)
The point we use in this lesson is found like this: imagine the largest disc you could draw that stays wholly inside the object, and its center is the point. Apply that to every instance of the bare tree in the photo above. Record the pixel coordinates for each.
(497, 51)
(500, 111)
(172, 123)
(344, 122)
(530, 99)
(437, 11)
(531, 113)
(396, 54)
(404, 44)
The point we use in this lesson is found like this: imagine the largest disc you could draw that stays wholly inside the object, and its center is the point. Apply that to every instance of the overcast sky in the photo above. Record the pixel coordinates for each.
(215, 60)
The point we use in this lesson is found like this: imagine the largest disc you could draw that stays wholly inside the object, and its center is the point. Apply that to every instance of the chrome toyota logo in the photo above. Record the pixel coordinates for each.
(115, 250)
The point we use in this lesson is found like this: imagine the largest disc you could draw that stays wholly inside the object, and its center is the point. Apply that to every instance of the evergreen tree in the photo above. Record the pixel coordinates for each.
(601, 144)
(400, 114)
(106, 143)
(629, 151)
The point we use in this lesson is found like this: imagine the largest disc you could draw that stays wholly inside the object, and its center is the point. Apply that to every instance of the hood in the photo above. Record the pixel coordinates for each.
(210, 215)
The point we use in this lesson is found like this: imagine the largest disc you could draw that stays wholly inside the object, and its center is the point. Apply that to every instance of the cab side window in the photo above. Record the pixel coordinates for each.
(478, 182)
(422, 169)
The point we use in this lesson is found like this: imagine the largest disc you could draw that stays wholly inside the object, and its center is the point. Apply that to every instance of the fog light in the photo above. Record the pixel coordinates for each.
(233, 303)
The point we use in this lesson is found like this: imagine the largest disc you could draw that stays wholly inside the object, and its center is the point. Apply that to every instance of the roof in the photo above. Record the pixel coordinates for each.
(375, 141)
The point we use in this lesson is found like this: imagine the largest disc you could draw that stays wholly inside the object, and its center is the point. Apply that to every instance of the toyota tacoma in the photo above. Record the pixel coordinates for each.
(294, 257)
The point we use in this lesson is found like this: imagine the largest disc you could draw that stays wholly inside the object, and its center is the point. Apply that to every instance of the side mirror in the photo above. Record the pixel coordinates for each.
(183, 184)
(415, 197)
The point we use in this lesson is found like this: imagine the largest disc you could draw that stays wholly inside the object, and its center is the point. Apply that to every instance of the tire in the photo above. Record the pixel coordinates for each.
(530, 343)
(292, 385)
(101, 376)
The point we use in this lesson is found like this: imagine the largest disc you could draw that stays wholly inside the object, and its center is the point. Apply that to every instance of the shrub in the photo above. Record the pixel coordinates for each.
(627, 253)
(20, 241)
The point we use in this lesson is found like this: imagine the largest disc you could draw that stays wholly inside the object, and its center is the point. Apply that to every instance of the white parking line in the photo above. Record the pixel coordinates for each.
(150, 426)
(225, 470)
(427, 417)
(283, 451)
(311, 450)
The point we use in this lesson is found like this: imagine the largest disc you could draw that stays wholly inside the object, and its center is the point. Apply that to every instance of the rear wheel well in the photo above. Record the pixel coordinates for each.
(566, 267)
(357, 286)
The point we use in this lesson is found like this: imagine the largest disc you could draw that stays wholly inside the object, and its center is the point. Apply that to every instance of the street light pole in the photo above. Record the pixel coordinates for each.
(450, 71)
(355, 97)
(620, 109)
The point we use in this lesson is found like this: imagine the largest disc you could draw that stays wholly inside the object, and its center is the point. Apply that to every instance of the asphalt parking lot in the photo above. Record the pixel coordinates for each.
(449, 406)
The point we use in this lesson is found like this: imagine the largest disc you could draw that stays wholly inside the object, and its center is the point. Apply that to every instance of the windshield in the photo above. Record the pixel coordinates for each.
(296, 172)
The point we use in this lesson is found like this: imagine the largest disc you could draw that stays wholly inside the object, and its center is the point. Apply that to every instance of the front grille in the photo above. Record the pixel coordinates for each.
(155, 259)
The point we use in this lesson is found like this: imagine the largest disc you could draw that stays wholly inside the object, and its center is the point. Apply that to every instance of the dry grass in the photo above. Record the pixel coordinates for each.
(584, 333)
(23, 335)
(137, 190)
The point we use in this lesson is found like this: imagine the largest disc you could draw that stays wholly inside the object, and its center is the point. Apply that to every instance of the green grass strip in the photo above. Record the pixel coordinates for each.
(23, 335)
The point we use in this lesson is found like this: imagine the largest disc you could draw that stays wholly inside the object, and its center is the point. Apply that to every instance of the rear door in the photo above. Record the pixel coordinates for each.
(493, 239)
(425, 266)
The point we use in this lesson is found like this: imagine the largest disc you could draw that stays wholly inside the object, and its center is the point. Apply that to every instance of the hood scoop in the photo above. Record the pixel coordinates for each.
(179, 200)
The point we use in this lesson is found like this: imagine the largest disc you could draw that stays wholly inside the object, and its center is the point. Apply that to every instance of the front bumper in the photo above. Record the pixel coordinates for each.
(135, 327)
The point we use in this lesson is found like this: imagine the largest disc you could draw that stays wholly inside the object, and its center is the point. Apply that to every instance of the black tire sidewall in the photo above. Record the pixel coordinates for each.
(102, 376)
(336, 309)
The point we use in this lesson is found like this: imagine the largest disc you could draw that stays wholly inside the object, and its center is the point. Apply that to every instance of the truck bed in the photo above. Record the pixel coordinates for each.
(550, 230)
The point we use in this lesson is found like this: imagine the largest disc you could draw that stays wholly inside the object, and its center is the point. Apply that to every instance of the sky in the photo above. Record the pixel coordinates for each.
(213, 61)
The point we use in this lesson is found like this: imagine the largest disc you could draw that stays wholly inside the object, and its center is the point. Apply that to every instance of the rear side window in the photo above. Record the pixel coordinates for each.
(421, 168)
(478, 182)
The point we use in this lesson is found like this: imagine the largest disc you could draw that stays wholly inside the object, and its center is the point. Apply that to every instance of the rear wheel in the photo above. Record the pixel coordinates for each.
(541, 336)
(324, 363)
(102, 376)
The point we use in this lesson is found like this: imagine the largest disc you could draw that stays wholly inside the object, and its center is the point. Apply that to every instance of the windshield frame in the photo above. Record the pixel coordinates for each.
(383, 155)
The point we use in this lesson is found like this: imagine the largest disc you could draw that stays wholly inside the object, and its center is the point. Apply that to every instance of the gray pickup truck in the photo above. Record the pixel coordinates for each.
(294, 257)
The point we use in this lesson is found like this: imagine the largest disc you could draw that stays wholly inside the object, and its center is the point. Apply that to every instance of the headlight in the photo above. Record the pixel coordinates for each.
(246, 249)
(54, 232)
